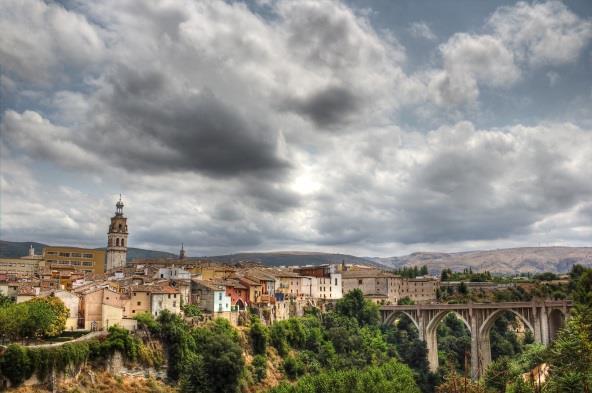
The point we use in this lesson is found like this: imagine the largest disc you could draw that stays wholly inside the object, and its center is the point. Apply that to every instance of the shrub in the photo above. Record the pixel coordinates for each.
(259, 337)
(293, 368)
(16, 364)
(259, 366)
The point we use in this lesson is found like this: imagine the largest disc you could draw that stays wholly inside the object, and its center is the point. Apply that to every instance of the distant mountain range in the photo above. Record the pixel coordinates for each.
(19, 249)
(293, 258)
(509, 260)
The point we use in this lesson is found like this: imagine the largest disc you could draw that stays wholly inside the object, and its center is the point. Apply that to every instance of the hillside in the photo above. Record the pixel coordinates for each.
(18, 249)
(292, 258)
(510, 260)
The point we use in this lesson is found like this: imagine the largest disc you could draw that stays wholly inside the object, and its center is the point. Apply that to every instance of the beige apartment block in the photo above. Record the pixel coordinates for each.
(87, 260)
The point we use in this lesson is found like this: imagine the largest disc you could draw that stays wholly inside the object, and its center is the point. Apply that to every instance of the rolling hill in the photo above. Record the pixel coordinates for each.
(292, 258)
(509, 260)
(18, 249)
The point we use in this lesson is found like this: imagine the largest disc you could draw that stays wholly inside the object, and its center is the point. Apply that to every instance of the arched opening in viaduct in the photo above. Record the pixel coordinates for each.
(485, 333)
(556, 322)
(431, 338)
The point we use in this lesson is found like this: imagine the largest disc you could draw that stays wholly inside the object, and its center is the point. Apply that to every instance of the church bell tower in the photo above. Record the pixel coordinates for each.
(117, 239)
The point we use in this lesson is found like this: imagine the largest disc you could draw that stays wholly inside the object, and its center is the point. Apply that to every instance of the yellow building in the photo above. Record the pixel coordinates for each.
(74, 258)
(20, 267)
(26, 266)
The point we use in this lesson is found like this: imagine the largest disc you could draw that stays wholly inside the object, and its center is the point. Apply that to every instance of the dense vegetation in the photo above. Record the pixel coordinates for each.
(19, 363)
(411, 272)
(36, 318)
(388, 377)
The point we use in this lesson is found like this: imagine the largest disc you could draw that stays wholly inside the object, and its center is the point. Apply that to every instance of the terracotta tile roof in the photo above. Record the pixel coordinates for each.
(209, 284)
(165, 289)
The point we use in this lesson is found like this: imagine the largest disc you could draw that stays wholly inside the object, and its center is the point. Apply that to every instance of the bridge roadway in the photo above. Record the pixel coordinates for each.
(543, 317)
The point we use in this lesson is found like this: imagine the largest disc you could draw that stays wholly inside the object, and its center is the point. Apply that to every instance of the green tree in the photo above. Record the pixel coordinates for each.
(354, 305)
(259, 336)
(191, 310)
(259, 366)
(223, 362)
(16, 364)
(463, 289)
(293, 367)
(571, 356)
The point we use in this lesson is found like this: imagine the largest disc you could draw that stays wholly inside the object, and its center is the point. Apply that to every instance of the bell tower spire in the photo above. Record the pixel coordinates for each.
(117, 239)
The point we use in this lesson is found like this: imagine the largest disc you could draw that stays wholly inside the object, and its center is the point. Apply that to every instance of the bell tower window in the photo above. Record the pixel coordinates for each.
(117, 242)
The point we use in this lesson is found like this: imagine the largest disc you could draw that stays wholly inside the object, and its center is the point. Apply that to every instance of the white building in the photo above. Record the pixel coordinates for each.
(165, 298)
(173, 273)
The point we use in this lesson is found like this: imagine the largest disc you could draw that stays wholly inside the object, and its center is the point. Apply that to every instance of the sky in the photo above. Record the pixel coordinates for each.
(374, 128)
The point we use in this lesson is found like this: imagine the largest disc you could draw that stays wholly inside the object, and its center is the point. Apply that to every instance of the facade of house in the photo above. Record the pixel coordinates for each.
(138, 301)
(210, 296)
(165, 298)
(420, 289)
(72, 302)
(380, 286)
(100, 307)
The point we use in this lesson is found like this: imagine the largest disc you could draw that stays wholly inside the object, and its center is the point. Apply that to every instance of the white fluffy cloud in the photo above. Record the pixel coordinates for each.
(470, 61)
(519, 36)
(43, 43)
(542, 33)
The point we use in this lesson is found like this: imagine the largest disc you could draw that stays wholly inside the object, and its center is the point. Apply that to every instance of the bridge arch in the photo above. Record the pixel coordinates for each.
(431, 334)
(556, 319)
(490, 320)
(436, 319)
(485, 334)
(395, 314)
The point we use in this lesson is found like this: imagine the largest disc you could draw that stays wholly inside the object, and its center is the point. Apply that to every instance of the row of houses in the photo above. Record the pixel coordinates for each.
(150, 286)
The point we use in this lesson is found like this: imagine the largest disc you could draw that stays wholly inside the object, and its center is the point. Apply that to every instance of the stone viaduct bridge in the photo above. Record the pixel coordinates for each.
(543, 318)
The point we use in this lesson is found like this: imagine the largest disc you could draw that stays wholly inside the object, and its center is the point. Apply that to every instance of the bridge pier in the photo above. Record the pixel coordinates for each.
(542, 318)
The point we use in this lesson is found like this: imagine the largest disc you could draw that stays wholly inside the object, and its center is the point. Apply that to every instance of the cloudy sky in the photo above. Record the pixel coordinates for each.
(372, 127)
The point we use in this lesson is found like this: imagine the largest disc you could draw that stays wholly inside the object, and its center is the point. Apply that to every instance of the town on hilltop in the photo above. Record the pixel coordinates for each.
(101, 289)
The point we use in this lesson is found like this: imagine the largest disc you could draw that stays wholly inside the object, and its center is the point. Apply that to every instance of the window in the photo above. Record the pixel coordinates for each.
(359, 282)
(64, 254)
(122, 242)
(75, 255)
(52, 253)
(220, 296)
(175, 295)
(133, 311)
(117, 242)
(87, 255)
(87, 264)
(174, 304)
(335, 282)
(139, 303)
(169, 295)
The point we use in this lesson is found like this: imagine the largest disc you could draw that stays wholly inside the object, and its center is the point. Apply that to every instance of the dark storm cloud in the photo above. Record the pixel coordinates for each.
(327, 108)
(154, 125)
